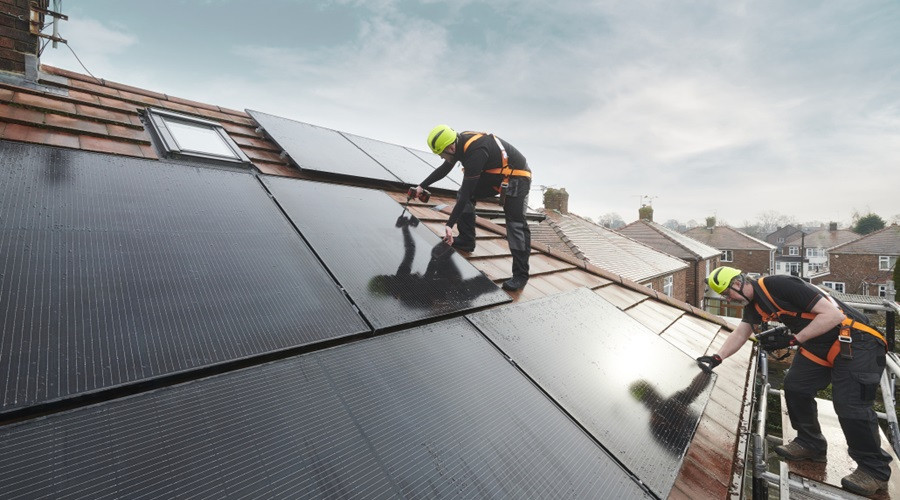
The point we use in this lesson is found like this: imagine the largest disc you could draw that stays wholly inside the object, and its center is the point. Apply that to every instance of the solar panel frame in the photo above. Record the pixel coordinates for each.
(115, 270)
(396, 271)
(455, 176)
(638, 395)
(400, 161)
(434, 411)
(321, 149)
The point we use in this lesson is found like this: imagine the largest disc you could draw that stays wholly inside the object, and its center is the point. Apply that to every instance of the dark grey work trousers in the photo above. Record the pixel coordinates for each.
(854, 382)
(518, 234)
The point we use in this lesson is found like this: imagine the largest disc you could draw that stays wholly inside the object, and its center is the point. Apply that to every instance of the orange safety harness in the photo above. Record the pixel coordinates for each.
(843, 342)
(506, 171)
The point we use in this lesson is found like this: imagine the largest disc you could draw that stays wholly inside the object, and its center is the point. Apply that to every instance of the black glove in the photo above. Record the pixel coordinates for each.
(707, 363)
(776, 342)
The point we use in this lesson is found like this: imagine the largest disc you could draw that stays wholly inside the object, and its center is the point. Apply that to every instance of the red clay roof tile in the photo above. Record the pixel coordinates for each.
(19, 114)
(75, 124)
(129, 133)
(25, 133)
(41, 102)
(102, 114)
(106, 145)
(128, 89)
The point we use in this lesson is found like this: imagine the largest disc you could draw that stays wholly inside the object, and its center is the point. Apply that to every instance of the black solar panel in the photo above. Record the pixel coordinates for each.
(394, 270)
(320, 149)
(400, 161)
(639, 396)
(114, 270)
(434, 412)
(455, 176)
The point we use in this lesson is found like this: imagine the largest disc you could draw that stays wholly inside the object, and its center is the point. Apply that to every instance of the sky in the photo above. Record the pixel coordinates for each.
(736, 109)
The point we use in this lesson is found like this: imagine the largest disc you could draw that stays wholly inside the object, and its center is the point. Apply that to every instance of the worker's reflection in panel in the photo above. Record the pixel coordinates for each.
(671, 419)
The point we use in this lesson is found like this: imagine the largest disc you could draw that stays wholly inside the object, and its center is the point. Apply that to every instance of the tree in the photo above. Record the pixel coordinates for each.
(674, 225)
(868, 223)
(611, 220)
(896, 281)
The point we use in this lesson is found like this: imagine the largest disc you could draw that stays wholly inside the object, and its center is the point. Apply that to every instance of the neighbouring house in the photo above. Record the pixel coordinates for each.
(701, 258)
(740, 250)
(198, 300)
(805, 254)
(610, 250)
(780, 236)
(865, 265)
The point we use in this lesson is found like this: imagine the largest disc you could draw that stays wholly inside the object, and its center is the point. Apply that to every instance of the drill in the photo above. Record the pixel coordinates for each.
(424, 197)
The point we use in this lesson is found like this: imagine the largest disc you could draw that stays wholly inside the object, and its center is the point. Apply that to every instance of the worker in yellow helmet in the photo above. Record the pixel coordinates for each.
(836, 346)
(491, 166)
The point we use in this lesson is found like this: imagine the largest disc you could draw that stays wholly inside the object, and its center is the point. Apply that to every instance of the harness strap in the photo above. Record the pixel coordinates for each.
(842, 343)
(506, 171)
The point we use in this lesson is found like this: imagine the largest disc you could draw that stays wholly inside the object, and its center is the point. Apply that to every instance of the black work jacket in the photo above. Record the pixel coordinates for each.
(482, 154)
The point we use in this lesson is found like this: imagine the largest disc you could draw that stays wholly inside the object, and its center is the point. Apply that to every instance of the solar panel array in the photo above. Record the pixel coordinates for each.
(638, 395)
(430, 412)
(395, 270)
(115, 270)
(328, 151)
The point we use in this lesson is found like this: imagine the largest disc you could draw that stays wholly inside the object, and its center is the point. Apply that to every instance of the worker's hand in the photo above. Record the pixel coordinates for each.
(448, 235)
(775, 342)
(419, 190)
(707, 363)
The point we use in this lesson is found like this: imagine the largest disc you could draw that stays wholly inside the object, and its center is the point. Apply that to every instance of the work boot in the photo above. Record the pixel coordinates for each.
(796, 451)
(515, 283)
(463, 246)
(861, 483)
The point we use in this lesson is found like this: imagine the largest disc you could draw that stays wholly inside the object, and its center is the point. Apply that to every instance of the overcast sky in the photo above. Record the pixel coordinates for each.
(727, 108)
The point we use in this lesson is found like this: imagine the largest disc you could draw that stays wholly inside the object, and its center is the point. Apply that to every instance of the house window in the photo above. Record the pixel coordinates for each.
(668, 285)
(815, 252)
(886, 262)
(882, 290)
(727, 256)
(793, 251)
(793, 268)
(837, 286)
(780, 240)
(186, 136)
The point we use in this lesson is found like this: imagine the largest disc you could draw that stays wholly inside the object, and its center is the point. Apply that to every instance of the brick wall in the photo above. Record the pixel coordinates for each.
(853, 270)
(679, 281)
(751, 261)
(695, 286)
(15, 37)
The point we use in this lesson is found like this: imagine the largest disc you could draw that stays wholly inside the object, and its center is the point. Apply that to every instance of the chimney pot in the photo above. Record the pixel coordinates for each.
(556, 199)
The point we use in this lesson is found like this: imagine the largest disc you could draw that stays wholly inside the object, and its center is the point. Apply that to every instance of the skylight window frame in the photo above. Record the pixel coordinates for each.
(171, 148)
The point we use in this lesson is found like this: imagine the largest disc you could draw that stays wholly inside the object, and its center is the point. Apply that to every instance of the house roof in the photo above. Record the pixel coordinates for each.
(669, 241)
(885, 241)
(727, 238)
(610, 250)
(782, 232)
(823, 238)
(104, 118)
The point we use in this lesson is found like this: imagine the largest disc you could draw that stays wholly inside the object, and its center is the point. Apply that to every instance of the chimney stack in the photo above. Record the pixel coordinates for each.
(19, 44)
(645, 213)
(556, 199)
(711, 222)
(832, 226)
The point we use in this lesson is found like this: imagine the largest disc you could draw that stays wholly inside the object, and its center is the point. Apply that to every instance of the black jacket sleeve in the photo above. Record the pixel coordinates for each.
(438, 174)
(473, 164)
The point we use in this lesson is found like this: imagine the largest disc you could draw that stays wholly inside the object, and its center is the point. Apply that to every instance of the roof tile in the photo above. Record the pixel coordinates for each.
(19, 114)
(106, 145)
(102, 114)
(39, 101)
(24, 133)
(129, 133)
(75, 124)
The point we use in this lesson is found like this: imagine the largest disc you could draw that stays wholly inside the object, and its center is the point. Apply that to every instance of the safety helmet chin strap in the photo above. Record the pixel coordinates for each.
(740, 290)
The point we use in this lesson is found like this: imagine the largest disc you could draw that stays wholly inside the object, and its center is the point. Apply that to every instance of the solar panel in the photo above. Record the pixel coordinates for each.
(320, 149)
(394, 270)
(431, 412)
(639, 396)
(435, 161)
(115, 270)
(400, 161)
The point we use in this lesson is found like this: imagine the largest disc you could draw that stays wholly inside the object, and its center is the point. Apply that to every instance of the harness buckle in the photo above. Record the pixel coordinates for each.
(846, 339)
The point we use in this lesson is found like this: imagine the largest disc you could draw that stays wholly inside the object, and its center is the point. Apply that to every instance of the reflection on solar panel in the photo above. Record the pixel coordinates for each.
(639, 396)
(395, 271)
(400, 161)
(432, 412)
(435, 161)
(114, 270)
(320, 149)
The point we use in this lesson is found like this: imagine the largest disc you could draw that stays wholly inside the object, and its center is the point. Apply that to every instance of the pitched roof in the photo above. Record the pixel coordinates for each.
(610, 250)
(885, 241)
(104, 117)
(727, 238)
(782, 232)
(669, 241)
(823, 238)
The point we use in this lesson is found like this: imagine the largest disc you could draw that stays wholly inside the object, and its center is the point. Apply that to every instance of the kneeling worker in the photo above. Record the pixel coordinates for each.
(490, 166)
(837, 347)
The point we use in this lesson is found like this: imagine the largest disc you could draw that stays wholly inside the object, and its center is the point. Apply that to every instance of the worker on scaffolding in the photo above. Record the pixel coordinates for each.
(836, 346)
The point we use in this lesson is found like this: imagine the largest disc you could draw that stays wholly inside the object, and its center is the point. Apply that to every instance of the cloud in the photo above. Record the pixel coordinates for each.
(98, 45)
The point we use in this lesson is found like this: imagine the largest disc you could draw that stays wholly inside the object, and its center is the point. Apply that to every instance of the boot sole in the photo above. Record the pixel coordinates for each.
(821, 459)
(852, 488)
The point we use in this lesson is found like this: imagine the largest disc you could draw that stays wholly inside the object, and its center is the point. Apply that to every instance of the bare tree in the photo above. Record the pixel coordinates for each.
(611, 220)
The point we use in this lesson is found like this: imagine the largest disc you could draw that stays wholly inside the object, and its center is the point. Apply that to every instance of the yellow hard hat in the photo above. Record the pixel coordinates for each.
(441, 137)
(721, 277)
